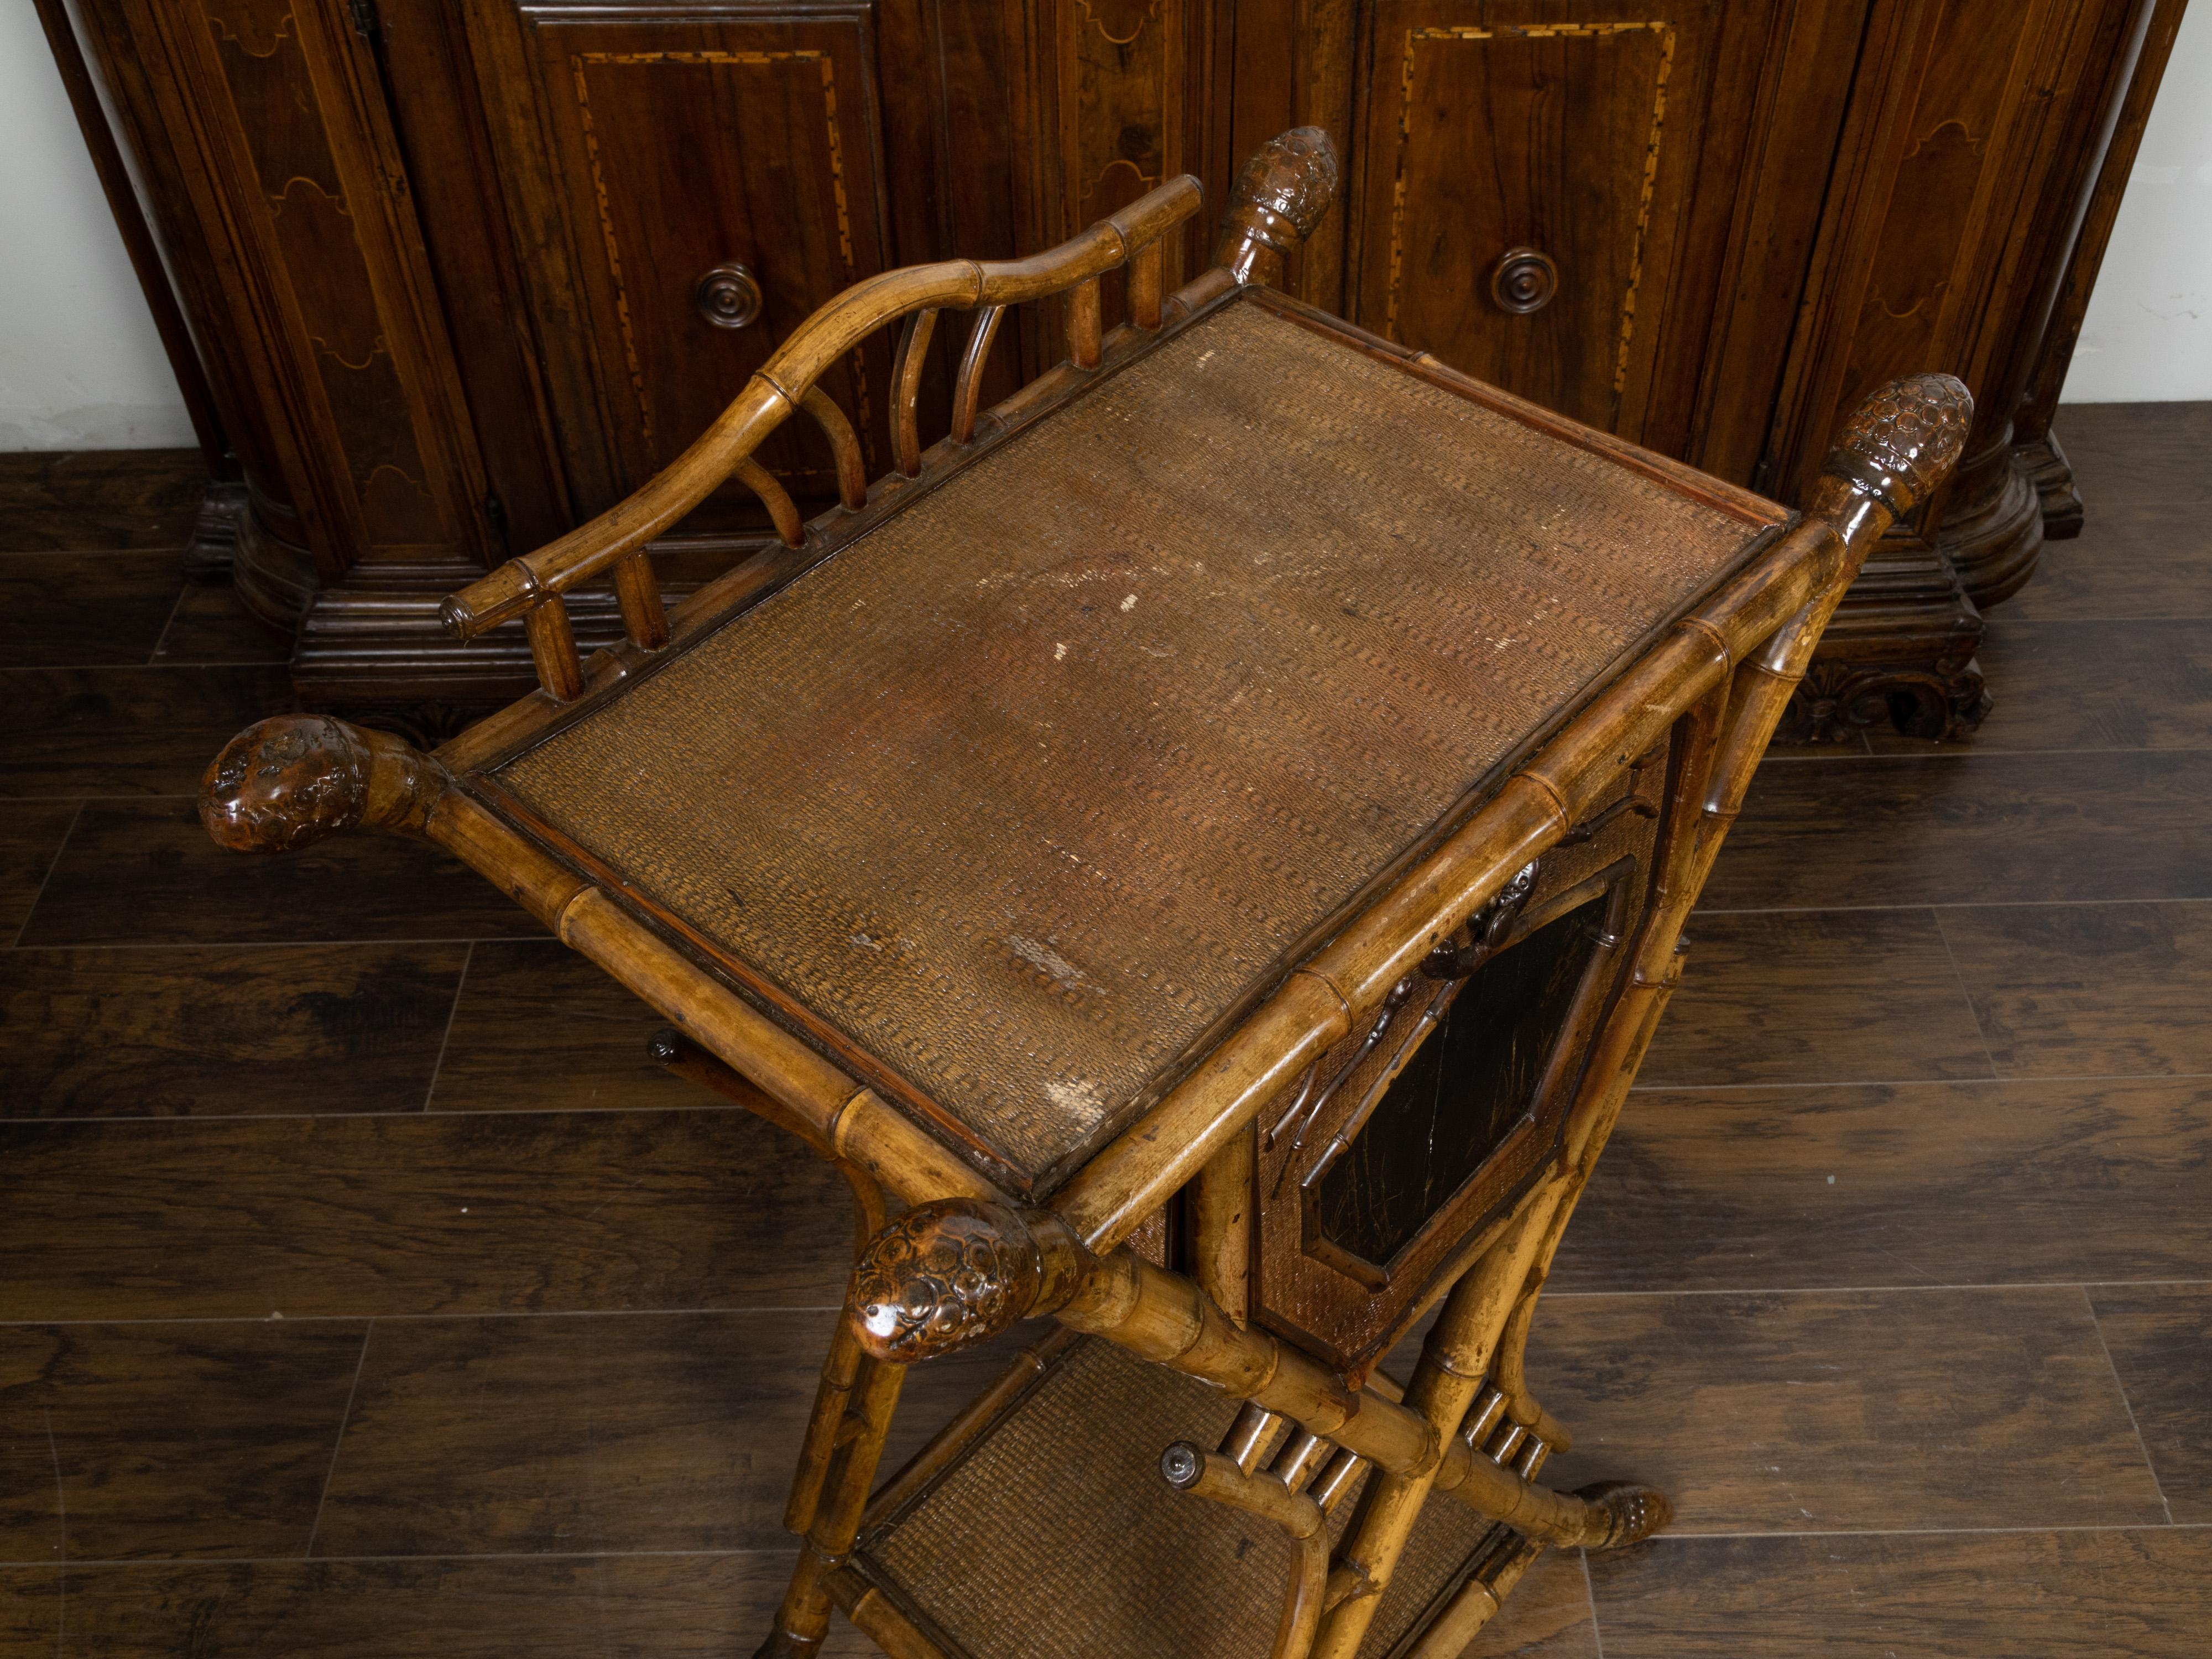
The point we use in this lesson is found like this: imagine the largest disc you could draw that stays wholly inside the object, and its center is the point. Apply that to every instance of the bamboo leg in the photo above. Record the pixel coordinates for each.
(802, 1621)
(1454, 1364)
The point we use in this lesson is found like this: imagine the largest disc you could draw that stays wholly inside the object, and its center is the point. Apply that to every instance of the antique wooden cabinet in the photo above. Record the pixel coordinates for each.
(463, 273)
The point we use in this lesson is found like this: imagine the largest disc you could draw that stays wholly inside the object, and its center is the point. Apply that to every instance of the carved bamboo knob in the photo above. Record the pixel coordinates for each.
(1277, 200)
(956, 1271)
(1902, 442)
(286, 782)
(942, 1276)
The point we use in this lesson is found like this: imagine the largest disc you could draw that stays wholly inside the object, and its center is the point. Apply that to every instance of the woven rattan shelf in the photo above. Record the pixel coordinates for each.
(1051, 1533)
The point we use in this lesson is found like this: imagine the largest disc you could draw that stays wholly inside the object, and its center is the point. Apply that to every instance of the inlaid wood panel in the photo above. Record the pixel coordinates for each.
(415, 1213)
(2086, 990)
(1986, 829)
(2132, 1594)
(1813, 1412)
(1570, 131)
(2160, 1339)
(141, 731)
(280, 135)
(701, 1607)
(1825, 996)
(1752, 1188)
(730, 134)
(119, 1442)
(144, 872)
(595, 1432)
(163, 1033)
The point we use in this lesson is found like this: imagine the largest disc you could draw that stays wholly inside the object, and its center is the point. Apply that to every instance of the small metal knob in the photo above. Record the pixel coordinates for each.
(1524, 281)
(728, 296)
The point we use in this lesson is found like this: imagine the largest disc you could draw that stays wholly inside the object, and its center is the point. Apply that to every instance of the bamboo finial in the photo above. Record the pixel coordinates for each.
(1277, 201)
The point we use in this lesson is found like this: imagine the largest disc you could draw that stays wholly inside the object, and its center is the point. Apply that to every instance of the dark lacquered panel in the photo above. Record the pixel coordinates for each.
(1463, 1091)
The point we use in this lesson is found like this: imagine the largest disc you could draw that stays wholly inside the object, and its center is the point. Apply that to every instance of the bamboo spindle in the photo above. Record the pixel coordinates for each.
(1085, 324)
(906, 391)
(645, 624)
(1144, 280)
(553, 649)
(782, 511)
(844, 447)
(968, 384)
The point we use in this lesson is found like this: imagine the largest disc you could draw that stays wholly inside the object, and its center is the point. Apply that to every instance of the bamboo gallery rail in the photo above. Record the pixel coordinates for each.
(954, 1248)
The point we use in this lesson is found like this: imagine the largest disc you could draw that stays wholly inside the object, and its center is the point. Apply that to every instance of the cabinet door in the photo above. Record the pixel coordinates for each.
(708, 175)
(1522, 177)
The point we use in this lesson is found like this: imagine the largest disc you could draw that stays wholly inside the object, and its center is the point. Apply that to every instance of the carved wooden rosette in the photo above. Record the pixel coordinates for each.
(286, 782)
(1277, 200)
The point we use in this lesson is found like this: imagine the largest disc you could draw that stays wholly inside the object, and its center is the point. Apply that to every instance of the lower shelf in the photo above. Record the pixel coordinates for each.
(1053, 1533)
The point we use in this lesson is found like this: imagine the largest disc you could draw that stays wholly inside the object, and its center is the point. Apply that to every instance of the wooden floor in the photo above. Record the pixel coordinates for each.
(363, 1292)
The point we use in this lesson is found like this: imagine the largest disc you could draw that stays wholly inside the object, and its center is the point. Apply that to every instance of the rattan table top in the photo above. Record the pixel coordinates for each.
(1015, 801)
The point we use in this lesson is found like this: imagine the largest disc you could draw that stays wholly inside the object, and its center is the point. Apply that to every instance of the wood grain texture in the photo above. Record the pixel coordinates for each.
(31, 835)
(141, 872)
(186, 1440)
(210, 625)
(2134, 558)
(416, 1214)
(101, 499)
(2138, 452)
(703, 1607)
(1814, 1412)
(2160, 1340)
(1986, 829)
(125, 730)
(1816, 997)
(2135, 1594)
(582, 1049)
(172, 1032)
(77, 610)
(2142, 684)
(593, 1432)
(1732, 1188)
(2084, 990)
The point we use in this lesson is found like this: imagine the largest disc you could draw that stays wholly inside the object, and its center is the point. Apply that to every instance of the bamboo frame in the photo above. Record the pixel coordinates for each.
(1465, 1425)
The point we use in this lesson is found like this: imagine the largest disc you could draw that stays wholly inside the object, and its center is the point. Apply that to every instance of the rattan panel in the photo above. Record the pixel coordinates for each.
(1056, 1534)
(1026, 790)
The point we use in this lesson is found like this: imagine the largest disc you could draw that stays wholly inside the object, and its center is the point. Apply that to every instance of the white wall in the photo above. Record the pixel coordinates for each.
(81, 367)
(2147, 338)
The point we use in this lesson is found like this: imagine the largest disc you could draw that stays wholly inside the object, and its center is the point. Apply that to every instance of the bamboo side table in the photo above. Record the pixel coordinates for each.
(1202, 849)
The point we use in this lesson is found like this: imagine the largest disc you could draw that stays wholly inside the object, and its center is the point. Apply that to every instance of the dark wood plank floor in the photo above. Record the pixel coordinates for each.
(364, 1292)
